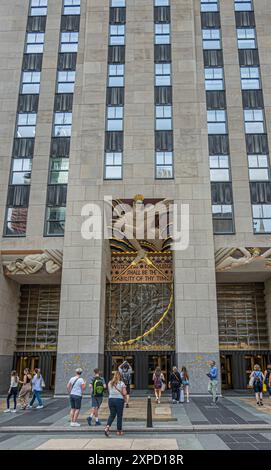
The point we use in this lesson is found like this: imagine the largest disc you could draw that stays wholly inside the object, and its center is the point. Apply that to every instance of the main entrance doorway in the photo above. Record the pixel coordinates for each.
(143, 365)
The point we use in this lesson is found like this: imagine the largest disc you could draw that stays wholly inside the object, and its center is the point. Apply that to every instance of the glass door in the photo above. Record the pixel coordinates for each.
(252, 360)
(117, 360)
(226, 371)
(26, 362)
(163, 362)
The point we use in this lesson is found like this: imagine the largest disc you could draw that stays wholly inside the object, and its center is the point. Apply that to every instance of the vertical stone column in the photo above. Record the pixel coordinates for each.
(9, 302)
(194, 269)
(81, 328)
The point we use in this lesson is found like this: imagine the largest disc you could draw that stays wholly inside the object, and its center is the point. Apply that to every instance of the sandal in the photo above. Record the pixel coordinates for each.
(106, 431)
(120, 433)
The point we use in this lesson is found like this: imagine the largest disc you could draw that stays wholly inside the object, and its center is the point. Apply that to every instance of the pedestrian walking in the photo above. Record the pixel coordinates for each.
(159, 384)
(117, 394)
(213, 381)
(256, 381)
(13, 391)
(175, 383)
(125, 371)
(37, 387)
(25, 391)
(76, 387)
(185, 383)
(97, 387)
(267, 379)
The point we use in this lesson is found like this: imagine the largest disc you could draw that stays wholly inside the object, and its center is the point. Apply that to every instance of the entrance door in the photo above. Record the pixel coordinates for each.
(26, 362)
(158, 361)
(226, 371)
(117, 360)
(252, 360)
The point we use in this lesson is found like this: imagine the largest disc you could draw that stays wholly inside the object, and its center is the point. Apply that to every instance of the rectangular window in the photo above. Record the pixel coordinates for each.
(261, 218)
(163, 74)
(30, 83)
(209, 5)
(71, 7)
(117, 35)
(55, 221)
(161, 3)
(62, 124)
(115, 118)
(38, 7)
(164, 165)
(116, 75)
(26, 125)
(162, 33)
(250, 78)
(214, 78)
(34, 43)
(65, 82)
(211, 39)
(258, 167)
(117, 3)
(217, 122)
(243, 5)
(21, 171)
(113, 166)
(16, 221)
(222, 219)
(163, 116)
(246, 38)
(59, 171)
(219, 168)
(69, 42)
(254, 121)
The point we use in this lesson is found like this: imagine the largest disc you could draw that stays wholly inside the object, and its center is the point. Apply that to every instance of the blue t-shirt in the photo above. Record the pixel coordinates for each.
(213, 373)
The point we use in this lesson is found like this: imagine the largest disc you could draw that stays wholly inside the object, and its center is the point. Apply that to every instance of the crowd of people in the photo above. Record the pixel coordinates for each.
(119, 389)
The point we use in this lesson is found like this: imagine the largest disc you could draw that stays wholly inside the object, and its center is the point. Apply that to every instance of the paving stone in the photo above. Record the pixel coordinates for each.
(155, 444)
(63, 444)
(212, 442)
(109, 444)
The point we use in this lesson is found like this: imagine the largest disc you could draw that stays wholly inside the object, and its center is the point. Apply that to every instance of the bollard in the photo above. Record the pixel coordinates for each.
(149, 413)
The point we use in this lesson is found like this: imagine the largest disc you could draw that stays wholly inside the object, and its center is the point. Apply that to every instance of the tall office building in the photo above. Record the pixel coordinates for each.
(144, 101)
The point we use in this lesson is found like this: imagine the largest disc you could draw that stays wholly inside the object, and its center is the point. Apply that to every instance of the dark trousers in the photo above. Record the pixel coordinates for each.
(116, 406)
(175, 392)
(13, 393)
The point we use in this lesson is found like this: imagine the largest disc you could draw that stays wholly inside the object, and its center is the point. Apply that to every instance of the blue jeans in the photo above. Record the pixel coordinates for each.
(36, 395)
(116, 406)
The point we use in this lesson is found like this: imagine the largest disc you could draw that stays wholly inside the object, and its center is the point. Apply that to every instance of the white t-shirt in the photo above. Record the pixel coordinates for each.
(77, 388)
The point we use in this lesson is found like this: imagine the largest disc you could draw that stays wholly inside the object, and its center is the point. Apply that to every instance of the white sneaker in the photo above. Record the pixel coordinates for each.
(75, 425)
(13, 411)
(7, 410)
(29, 407)
(39, 407)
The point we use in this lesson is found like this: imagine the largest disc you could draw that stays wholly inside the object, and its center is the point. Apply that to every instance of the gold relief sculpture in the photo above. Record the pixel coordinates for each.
(231, 258)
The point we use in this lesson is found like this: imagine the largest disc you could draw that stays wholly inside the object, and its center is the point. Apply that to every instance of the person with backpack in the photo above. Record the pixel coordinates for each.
(213, 381)
(76, 387)
(125, 371)
(13, 391)
(159, 384)
(185, 383)
(37, 387)
(97, 387)
(117, 395)
(175, 382)
(257, 381)
(267, 379)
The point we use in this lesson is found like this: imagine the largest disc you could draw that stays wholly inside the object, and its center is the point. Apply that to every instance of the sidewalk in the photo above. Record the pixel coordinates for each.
(234, 423)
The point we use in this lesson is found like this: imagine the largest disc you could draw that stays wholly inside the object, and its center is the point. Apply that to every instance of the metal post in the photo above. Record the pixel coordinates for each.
(149, 413)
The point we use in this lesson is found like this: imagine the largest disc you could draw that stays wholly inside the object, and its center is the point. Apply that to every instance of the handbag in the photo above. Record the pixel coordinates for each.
(251, 382)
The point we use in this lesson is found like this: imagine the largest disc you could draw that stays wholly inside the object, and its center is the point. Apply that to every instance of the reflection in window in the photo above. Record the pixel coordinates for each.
(222, 219)
(254, 121)
(30, 83)
(16, 220)
(34, 43)
(219, 168)
(69, 42)
(261, 218)
(164, 165)
(38, 7)
(26, 125)
(211, 39)
(246, 38)
(113, 166)
(55, 221)
(258, 167)
(209, 5)
(214, 78)
(117, 35)
(163, 74)
(163, 118)
(217, 122)
(250, 78)
(65, 82)
(71, 7)
(116, 75)
(59, 171)
(21, 171)
(63, 124)
(162, 33)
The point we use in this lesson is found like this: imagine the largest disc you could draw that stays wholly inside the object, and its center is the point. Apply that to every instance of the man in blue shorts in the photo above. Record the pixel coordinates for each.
(97, 387)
